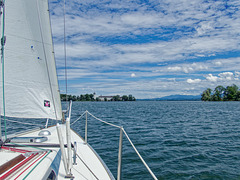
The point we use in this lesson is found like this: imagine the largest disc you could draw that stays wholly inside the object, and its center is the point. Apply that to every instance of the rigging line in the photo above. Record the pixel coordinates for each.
(24, 145)
(23, 122)
(45, 56)
(78, 118)
(87, 166)
(65, 49)
(145, 164)
(2, 59)
(104, 121)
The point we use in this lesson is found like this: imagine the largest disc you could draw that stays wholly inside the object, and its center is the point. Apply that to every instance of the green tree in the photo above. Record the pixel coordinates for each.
(237, 96)
(63, 97)
(125, 98)
(82, 98)
(218, 93)
(130, 97)
(91, 97)
(116, 98)
(206, 95)
(69, 97)
(74, 98)
(87, 96)
(230, 94)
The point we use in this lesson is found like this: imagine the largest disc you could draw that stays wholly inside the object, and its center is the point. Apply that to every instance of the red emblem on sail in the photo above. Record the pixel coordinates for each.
(46, 103)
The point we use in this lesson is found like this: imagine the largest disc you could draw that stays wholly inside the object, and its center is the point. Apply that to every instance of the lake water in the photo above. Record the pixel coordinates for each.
(178, 140)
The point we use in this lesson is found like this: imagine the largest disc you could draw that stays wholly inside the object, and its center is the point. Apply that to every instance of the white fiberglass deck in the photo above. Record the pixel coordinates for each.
(89, 165)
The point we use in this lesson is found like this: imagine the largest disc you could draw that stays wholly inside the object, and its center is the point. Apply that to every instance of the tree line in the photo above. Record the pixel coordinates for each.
(123, 98)
(86, 97)
(220, 93)
(90, 97)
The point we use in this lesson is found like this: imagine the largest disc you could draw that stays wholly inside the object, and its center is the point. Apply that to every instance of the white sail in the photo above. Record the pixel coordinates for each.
(31, 86)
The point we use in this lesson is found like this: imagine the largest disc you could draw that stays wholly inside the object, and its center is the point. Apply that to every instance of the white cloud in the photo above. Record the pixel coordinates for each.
(190, 81)
(187, 68)
(84, 26)
(204, 27)
(218, 63)
(226, 76)
(105, 36)
(176, 68)
(141, 19)
(237, 75)
(212, 78)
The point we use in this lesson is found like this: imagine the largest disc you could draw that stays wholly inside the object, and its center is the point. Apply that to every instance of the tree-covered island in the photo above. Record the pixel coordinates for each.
(92, 97)
(220, 93)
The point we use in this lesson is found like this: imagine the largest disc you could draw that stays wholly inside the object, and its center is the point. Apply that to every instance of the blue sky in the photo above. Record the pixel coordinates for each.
(148, 48)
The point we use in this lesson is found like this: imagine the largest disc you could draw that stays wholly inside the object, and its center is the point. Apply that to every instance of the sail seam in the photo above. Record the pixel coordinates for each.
(27, 82)
(24, 38)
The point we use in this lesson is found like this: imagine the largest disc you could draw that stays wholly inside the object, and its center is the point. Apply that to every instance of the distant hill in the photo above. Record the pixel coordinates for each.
(176, 97)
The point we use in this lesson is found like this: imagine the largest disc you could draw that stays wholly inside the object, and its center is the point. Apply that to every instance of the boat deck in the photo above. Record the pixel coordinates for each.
(47, 157)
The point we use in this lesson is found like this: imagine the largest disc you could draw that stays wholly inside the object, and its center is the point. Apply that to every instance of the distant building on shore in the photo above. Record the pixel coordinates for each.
(93, 97)
(105, 98)
(113, 98)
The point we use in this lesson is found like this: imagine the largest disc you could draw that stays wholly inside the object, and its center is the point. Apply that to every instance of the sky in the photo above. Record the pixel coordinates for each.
(149, 49)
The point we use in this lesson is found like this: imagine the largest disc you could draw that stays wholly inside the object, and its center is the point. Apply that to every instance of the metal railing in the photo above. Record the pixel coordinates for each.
(120, 143)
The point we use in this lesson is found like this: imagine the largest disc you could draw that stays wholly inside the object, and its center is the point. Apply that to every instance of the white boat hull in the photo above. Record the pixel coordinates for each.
(48, 162)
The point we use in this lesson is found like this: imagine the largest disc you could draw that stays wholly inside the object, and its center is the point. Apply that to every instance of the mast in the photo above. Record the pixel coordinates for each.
(1, 5)
(65, 49)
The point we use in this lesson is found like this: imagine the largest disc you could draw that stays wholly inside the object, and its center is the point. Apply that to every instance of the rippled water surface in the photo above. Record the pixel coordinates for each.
(178, 140)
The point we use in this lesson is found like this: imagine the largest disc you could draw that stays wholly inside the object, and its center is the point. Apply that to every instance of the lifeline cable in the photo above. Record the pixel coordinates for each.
(135, 149)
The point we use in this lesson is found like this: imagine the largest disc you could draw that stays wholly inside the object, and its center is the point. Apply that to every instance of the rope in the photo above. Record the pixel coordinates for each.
(22, 163)
(45, 56)
(15, 149)
(79, 118)
(145, 164)
(104, 121)
(150, 171)
(27, 146)
(37, 163)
